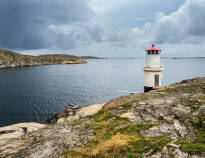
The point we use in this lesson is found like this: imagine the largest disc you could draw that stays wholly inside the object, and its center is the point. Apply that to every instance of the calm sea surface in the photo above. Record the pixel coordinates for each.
(36, 93)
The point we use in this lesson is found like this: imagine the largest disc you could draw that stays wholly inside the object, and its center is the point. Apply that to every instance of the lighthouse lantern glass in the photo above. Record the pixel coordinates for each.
(152, 52)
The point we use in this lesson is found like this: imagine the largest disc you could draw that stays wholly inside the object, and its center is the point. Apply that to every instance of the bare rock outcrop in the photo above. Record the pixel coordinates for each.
(17, 130)
(75, 113)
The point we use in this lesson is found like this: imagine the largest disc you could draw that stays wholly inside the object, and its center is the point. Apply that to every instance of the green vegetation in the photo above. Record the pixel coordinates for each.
(125, 107)
(145, 144)
(193, 88)
(202, 97)
(198, 145)
(113, 142)
(190, 147)
(188, 90)
(101, 116)
(204, 90)
(192, 104)
(76, 123)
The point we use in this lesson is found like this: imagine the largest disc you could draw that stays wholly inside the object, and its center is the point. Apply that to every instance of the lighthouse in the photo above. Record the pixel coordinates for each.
(153, 70)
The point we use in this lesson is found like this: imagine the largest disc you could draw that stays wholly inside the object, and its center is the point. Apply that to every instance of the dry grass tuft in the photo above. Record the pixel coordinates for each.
(111, 145)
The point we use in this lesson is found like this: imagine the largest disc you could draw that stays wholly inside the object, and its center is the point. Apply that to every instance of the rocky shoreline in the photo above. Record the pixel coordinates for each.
(10, 59)
(72, 114)
(165, 123)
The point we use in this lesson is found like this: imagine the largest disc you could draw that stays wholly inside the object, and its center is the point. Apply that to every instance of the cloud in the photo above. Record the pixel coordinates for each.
(28, 24)
(102, 6)
(102, 28)
(185, 25)
(180, 33)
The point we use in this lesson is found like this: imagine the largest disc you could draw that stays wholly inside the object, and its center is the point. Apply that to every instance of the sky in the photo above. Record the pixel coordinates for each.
(104, 28)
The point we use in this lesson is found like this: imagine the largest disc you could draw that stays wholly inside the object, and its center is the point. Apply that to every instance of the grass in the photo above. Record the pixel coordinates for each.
(203, 90)
(192, 104)
(135, 128)
(145, 144)
(125, 107)
(110, 142)
(202, 97)
(193, 88)
(102, 116)
(192, 148)
(76, 123)
(188, 90)
(197, 146)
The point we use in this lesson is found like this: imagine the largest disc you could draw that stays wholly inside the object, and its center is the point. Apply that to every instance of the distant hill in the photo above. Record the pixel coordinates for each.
(90, 57)
(12, 59)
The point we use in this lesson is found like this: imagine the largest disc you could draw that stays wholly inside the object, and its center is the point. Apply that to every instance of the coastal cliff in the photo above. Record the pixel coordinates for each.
(10, 59)
(165, 123)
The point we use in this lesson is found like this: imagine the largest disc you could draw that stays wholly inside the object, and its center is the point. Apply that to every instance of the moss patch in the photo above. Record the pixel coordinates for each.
(193, 88)
(192, 148)
(202, 97)
(125, 107)
(188, 90)
(203, 90)
(112, 142)
(76, 123)
(101, 116)
(192, 104)
(199, 145)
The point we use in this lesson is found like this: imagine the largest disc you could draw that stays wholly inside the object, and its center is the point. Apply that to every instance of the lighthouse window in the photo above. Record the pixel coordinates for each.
(150, 52)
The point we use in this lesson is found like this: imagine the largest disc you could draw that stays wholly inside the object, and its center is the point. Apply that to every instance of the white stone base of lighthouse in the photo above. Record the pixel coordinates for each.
(152, 79)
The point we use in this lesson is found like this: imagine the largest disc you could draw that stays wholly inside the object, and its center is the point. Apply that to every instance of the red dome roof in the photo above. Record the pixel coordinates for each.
(153, 48)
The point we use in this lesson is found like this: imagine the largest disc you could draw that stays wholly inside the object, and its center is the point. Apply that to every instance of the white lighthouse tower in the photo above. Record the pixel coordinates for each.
(153, 70)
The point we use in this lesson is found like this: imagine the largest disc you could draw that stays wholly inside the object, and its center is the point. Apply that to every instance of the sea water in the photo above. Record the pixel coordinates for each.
(36, 93)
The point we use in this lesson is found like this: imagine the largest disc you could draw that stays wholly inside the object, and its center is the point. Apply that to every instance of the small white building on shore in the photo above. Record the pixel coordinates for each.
(153, 70)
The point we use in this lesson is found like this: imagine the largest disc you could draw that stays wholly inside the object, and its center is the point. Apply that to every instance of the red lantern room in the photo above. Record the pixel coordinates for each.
(153, 50)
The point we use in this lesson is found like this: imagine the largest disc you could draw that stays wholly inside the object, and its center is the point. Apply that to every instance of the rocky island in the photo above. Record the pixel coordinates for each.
(164, 123)
(10, 59)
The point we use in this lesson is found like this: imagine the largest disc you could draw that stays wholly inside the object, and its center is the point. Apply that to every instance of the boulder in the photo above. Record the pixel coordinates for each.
(20, 129)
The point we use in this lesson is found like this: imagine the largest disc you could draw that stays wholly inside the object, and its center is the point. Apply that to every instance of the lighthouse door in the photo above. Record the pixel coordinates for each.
(156, 80)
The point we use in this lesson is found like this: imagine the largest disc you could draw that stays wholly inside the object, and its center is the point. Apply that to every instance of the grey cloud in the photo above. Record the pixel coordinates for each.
(181, 29)
(78, 35)
(181, 26)
(25, 23)
(196, 10)
(72, 24)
